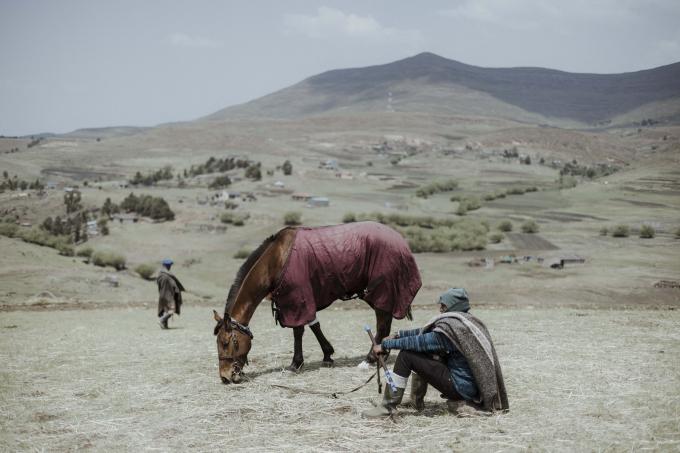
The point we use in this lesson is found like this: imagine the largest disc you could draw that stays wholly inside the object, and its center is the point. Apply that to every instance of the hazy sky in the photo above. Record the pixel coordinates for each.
(71, 64)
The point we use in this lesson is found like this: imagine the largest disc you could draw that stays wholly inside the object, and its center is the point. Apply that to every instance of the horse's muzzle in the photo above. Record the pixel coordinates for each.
(235, 379)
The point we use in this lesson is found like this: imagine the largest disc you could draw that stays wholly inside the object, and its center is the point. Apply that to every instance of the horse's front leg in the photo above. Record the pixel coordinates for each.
(298, 358)
(383, 322)
(326, 346)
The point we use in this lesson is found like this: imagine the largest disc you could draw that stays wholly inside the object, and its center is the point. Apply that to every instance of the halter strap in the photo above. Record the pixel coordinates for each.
(241, 327)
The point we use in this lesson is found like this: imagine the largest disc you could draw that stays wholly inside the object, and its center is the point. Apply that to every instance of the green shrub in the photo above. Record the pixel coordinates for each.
(230, 204)
(647, 232)
(464, 235)
(436, 187)
(495, 238)
(505, 226)
(473, 203)
(145, 271)
(604, 231)
(220, 182)
(118, 261)
(103, 226)
(61, 243)
(530, 226)
(40, 237)
(242, 253)
(349, 217)
(466, 204)
(428, 234)
(85, 252)
(8, 229)
(620, 231)
(65, 249)
(109, 259)
(516, 191)
(234, 219)
(146, 205)
(292, 218)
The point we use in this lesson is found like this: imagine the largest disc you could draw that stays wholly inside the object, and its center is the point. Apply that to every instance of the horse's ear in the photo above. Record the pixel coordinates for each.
(216, 316)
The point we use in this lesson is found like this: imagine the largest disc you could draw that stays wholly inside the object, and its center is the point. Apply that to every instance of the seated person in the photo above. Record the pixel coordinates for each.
(453, 352)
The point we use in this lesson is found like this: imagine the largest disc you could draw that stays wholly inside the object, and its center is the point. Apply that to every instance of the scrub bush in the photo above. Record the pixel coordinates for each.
(530, 226)
(145, 271)
(292, 218)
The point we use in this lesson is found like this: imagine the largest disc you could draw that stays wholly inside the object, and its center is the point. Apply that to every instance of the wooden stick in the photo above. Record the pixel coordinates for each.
(381, 362)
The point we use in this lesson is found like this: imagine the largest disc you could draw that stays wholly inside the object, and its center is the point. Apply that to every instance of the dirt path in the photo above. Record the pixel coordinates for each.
(112, 380)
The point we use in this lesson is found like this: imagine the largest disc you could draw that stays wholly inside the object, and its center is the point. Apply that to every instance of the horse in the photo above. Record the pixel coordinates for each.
(303, 270)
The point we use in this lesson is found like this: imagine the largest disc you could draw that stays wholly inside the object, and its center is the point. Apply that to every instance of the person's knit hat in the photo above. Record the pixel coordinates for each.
(455, 299)
(167, 262)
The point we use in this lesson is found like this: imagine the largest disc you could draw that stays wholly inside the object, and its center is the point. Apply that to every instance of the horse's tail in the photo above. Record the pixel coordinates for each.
(409, 314)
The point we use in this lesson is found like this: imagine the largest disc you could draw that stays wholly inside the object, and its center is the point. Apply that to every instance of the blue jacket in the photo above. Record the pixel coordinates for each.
(437, 343)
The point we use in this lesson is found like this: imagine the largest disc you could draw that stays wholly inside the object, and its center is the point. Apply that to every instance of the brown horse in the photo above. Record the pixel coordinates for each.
(304, 270)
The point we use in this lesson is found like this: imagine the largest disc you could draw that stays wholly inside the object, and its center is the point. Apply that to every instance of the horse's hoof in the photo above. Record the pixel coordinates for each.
(293, 368)
(328, 364)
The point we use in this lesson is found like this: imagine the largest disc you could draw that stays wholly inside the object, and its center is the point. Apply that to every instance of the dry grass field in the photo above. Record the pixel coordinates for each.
(578, 380)
(590, 352)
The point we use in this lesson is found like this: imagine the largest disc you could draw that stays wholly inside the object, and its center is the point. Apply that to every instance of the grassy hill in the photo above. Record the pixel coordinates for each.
(432, 84)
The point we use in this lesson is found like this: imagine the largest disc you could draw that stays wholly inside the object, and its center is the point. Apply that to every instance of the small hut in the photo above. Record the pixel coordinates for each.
(301, 196)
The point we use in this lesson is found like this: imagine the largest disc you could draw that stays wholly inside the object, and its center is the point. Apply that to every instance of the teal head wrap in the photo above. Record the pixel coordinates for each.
(455, 299)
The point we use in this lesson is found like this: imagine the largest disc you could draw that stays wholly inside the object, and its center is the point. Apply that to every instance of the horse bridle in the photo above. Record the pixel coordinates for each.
(237, 366)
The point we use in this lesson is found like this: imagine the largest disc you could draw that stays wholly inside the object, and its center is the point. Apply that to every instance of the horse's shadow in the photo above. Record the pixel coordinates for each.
(341, 362)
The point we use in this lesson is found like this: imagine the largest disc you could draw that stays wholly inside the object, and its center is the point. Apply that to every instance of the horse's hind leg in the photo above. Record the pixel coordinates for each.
(326, 346)
(383, 322)
(298, 358)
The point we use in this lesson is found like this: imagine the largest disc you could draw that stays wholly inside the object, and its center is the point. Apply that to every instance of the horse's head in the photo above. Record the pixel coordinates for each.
(233, 345)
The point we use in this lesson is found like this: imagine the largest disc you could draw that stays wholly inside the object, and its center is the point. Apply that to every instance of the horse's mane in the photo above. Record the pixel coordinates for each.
(243, 271)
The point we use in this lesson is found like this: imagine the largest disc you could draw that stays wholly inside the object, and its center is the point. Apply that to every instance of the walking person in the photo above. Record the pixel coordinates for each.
(454, 353)
(169, 294)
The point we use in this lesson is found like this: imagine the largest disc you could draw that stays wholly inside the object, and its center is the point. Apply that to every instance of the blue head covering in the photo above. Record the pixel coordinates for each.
(455, 299)
(167, 262)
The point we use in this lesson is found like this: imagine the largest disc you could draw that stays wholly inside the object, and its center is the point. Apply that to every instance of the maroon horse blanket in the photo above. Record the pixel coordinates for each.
(327, 263)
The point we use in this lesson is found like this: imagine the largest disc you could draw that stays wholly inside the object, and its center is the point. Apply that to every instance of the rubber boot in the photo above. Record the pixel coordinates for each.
(387, 406)
(163, 320)
(418, 391)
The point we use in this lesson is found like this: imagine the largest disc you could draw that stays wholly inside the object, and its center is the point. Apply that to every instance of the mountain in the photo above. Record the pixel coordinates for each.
(433, 84)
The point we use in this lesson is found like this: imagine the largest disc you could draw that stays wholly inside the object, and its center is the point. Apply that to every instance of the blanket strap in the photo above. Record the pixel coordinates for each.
(276, 313)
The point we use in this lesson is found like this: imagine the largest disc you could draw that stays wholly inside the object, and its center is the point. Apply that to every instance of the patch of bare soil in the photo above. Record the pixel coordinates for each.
(569, 216)
(523, 241)
(644, 204)
(79, 174)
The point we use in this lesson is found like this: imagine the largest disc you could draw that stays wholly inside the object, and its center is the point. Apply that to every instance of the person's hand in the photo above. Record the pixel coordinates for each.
(378, 349)
(391, 336)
